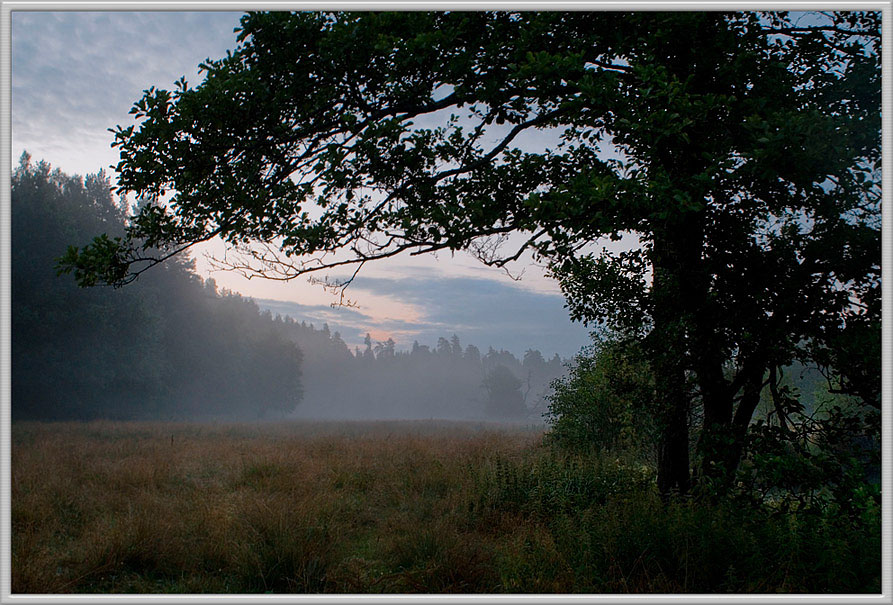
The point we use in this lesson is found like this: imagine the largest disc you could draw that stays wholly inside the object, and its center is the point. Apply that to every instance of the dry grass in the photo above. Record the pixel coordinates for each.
(390, 507)
(289, 507)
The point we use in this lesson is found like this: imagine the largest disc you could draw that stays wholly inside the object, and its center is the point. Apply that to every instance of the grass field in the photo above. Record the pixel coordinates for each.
(382, 507)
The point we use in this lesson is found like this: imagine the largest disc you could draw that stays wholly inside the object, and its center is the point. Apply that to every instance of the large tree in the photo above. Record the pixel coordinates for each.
(741, 149)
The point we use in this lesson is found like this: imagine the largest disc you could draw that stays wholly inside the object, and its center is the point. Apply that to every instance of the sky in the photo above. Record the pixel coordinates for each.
(76, 74)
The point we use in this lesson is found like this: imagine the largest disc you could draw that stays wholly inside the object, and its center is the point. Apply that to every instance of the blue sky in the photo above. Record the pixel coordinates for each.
(76, 74)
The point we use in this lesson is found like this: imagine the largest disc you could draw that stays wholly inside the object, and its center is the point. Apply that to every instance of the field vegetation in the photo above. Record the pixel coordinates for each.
(379, 507)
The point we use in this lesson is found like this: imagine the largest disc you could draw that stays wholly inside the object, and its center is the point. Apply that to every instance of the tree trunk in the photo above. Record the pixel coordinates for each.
(673, 473)
(750, 399)
(721, 445)
(667, 348)
(714, 455)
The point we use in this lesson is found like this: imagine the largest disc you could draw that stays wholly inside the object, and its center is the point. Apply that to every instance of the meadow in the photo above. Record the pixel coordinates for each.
(385, 507)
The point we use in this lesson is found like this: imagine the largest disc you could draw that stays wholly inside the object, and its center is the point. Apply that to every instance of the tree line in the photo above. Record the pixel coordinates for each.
(444, 381)
(173, 346)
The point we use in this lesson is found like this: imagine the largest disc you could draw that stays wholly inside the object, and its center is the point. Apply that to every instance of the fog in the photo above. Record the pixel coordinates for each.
(447, 381)
(173, 346)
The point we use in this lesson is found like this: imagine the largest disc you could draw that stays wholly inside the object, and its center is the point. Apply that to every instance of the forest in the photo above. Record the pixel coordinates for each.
(444, 381)
(173, 347)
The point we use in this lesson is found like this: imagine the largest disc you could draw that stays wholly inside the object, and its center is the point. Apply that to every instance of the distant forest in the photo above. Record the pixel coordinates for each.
(173, 347)
(448, 381)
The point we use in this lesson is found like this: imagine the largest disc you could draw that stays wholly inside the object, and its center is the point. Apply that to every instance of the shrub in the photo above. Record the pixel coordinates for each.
(548, 482)
(598, 525)
(605, 400)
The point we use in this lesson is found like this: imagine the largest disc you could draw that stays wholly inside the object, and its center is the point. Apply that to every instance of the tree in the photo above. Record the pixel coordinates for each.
(472, 355)
(456, 347)
(742, 149)
(386, 349)
(367, 352)
(605, 400)
(274, 366)
(504, 398)
(444, 348)
(71, 353)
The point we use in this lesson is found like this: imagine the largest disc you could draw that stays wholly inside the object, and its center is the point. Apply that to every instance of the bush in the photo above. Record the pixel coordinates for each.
(605, 401)
(804, 515)
(547, 482)
(599, 526)
(818, 464)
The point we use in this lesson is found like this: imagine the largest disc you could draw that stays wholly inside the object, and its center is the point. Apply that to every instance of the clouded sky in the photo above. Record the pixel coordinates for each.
(76, 74)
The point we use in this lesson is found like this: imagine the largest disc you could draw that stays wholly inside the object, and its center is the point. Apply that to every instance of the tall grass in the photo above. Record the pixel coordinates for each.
(386, 507)
(303, 507)
(604, 529)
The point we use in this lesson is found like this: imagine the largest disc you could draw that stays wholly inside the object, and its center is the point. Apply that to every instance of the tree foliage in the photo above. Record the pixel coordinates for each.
(504, 397)
(741, 149)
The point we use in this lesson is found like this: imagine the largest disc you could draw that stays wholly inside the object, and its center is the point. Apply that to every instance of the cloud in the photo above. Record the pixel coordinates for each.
(318, 314)
(483, 312)
(76, 74)
(351, 323)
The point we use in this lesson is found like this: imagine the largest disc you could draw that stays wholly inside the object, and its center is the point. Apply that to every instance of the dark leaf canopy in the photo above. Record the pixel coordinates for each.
(370, 134)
